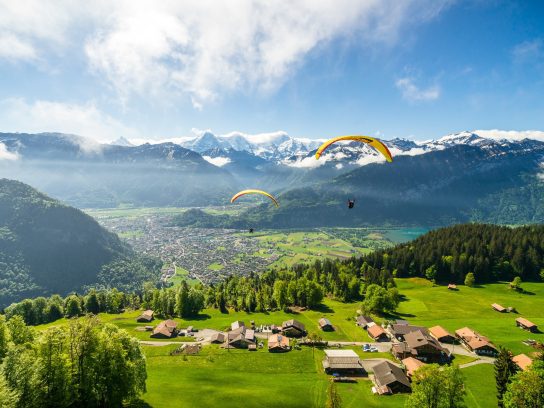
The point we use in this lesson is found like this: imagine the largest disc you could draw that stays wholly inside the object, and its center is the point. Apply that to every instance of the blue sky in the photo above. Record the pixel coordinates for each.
(418, 68)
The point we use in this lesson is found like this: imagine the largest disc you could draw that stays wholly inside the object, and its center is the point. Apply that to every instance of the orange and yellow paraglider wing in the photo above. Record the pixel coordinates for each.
(244, 192)
(375, 143)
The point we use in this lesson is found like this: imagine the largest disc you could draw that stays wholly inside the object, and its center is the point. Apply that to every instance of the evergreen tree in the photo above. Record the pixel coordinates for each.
(505, 369)
(91, 302)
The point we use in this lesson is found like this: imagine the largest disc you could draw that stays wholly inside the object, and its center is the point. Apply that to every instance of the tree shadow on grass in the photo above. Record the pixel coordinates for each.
(138, 404)
(323, 308)
(396, 315)
(201, 317)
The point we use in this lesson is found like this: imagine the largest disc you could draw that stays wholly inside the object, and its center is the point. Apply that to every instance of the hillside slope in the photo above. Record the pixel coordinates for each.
(47, 247)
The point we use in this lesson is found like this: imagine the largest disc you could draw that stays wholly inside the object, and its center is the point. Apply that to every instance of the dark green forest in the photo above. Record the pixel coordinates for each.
(492, 253)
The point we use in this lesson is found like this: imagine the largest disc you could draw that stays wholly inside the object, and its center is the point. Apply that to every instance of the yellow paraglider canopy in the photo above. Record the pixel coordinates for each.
(244, 192)
(375, 143)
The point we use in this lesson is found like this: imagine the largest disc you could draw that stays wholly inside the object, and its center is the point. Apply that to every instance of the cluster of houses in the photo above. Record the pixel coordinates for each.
(414, 346)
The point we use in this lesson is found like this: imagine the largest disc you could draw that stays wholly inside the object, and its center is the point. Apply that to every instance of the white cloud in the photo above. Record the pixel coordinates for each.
(199, 48)
(512, 135)
(529, 51)
(5, 154)
(411, 92)
(217, 161)
(17, 115)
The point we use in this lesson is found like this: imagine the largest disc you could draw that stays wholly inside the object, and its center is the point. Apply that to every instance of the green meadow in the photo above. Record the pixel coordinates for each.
(296, 379)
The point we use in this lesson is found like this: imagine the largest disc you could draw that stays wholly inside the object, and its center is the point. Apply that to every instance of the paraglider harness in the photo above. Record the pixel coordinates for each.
(351, 203)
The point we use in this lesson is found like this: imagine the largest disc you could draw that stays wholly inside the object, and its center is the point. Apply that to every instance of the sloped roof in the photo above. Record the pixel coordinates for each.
(324, 322)
(293, 323)
(278, 341)
(439, 332)
(525, 322)
(523, 361)
(412, 364)
(387, 373)
(375, 331)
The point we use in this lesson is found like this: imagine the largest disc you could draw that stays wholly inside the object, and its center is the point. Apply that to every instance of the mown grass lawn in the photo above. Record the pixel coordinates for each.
(480, 386)
(428, 306)
(236, 378)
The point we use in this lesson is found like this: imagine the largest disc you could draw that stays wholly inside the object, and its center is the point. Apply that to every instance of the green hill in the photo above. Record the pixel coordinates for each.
(48, 247)
(492, 253)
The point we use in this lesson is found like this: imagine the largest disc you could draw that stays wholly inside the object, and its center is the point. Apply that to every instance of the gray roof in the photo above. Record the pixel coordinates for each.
(403, 329)
(324, 322)
(417, 339)
(364, 320)
(387, 373)
(293, 323)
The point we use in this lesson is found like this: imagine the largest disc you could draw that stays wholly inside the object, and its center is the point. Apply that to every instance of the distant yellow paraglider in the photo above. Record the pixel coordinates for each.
(244, 192)
(375, 143)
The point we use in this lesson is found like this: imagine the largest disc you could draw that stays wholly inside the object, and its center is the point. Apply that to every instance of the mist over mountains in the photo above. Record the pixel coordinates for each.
(483, 175)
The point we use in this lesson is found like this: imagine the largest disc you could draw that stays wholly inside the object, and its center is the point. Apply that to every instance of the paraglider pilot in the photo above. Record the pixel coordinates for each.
(351, 203)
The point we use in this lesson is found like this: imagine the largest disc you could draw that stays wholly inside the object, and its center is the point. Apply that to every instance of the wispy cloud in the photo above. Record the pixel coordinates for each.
(411, 92)
(18, 115)
(5, 154)
(200, 49)
(529, 51)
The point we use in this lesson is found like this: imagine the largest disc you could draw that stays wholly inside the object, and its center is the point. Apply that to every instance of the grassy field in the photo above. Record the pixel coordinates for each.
(305, 246)
(428, 306)
(235, 378)
(296, 379)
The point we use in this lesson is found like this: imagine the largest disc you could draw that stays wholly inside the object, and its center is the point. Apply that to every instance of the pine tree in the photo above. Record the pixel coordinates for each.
(505, 369)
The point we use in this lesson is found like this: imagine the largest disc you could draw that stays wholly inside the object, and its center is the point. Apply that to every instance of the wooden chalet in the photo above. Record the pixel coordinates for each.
(526, 324)
(498, 308)
(377, 332)
(452, 286)
(240, 338)
(475, 342)
(145, 317)
(166, 329)
(390, 379)
(236, 325)
(441, 334)
(278, 343)
(325, 324)
(364, 321)
(217, 338)
(421, 346)
(523, 361)
(293, 328)
(411, 365)
(399, 331)
(342, 361)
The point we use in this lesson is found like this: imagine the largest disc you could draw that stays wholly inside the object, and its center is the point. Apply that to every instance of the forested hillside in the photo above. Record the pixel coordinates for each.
(47, 247)
(490, 252)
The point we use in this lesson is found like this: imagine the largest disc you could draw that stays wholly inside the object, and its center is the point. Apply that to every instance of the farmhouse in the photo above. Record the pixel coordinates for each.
(399, 331)
(441, 334)
(236, 325)
(145, 317)
(325, 324)
(165, 329)
(421, 346)
(363, 321)
(411, 365)
(523, 361)
(237, 338)
(277, 342)
(475, 342)
(293, 328)
(217, 338)
(377, 332)
(526, 324)
(390, 379)
(498, 308)
(342, 361)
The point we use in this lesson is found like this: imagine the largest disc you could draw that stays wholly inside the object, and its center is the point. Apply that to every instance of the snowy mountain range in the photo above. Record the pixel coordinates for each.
(281, 149)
